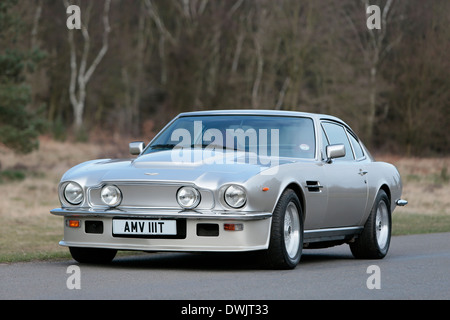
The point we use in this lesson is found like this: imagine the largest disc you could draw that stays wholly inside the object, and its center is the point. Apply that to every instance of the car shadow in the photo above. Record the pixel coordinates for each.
(244, 261)
(186, 261)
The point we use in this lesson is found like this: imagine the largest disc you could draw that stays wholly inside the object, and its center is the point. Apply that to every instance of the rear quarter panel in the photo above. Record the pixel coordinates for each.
(384, 176)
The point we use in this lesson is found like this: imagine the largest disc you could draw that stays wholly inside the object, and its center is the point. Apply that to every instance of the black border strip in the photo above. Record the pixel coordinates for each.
(181, 230)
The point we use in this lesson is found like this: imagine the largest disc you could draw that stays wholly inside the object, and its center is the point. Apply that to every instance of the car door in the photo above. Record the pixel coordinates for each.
(346, 180)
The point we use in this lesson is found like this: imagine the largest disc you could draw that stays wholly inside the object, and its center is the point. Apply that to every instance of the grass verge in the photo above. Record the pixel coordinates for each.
(414, 223)
(31, 238)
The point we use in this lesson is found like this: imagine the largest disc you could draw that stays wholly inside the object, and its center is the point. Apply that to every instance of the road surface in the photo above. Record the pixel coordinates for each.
(416, 267)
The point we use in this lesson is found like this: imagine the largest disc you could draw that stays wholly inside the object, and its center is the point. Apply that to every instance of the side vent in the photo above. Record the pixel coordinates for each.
(313, 186)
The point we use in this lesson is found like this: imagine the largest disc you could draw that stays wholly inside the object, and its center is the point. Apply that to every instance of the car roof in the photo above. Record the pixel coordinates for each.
(259, 112)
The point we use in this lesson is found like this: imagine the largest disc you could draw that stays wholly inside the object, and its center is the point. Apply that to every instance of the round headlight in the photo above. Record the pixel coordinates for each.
(235, 196)
(188, 197)
(73, 193)
(111, 196)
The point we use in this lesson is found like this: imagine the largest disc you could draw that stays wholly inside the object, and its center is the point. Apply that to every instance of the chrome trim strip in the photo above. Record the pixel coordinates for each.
(174, 214)
(316, 235)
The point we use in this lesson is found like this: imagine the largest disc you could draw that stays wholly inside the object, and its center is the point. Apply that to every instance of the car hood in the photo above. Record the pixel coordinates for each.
(195, 166)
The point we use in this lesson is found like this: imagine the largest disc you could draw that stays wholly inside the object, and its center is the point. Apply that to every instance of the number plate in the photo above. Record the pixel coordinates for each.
(144, 227)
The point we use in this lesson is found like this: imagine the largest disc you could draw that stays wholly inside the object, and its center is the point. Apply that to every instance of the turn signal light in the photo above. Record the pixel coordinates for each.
(73, 223)
(233, 226)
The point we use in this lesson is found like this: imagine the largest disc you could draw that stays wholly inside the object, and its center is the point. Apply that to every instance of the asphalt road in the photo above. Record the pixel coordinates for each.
(417, 267)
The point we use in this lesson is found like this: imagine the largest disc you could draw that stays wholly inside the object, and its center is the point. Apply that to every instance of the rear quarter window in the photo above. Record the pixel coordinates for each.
(336, 135)
(359, 154)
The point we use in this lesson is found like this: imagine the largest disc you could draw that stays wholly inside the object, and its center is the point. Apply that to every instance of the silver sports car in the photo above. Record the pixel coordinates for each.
(272, 182)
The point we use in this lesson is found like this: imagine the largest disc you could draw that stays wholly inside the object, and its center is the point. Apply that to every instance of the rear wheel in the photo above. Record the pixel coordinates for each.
(374, 241)
(92, 255)
(286, 238)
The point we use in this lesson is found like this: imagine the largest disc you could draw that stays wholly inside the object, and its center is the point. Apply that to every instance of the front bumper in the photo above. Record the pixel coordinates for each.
(253, 236)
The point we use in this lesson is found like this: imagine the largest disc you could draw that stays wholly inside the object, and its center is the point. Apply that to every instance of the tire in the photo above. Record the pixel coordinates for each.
(374, 241)
(286, 237)
(92, 255)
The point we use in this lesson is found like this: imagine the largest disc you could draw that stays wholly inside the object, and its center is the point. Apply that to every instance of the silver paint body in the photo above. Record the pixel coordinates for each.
(336, 196)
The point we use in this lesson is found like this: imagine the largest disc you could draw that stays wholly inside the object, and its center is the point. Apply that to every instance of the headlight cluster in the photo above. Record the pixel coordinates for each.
(73, 193)
(111, 195)
(235, 196)
(188, 197)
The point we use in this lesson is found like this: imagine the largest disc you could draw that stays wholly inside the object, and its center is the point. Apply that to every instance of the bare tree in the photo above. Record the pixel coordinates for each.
(36, 20)
(133, 67)
(164, 34)
(81, 73)
(374, 44)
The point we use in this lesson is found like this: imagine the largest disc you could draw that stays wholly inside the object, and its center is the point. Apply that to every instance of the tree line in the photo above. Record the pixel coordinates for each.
(135, 64)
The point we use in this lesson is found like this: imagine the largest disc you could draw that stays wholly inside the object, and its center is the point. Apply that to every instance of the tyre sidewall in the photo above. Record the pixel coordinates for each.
(277, 246)
(366, 246)
(382, 197)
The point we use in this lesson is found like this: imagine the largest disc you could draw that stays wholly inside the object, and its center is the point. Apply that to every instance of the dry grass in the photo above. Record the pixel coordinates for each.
(34, 195)
(29, 231)
(426, 184)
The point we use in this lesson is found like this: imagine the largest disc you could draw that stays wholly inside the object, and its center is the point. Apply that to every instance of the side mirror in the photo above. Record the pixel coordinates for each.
(136, 147)
(335, 151)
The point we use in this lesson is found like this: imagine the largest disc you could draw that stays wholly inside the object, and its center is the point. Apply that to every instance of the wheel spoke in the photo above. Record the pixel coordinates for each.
(382, 225)
(291, 230)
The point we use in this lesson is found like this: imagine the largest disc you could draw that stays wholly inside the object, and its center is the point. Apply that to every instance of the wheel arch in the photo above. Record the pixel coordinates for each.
(386, 189)
(372, 196)
(301, 196)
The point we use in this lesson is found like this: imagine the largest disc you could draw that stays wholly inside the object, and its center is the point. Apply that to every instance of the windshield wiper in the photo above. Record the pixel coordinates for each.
(215, 146)
(162, 146)
(204, 145)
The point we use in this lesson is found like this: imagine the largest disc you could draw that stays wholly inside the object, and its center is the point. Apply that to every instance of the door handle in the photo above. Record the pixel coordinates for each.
(362, 173)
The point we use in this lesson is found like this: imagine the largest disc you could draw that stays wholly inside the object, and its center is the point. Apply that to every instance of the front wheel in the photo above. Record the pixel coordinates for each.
(374, 241)
(92, 255)
(286, 238)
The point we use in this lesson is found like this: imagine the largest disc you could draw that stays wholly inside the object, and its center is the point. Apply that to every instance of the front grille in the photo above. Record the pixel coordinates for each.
(139, 195)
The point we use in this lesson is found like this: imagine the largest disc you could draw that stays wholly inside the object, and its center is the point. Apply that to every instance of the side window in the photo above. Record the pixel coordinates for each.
(336, 135)
(356, 146)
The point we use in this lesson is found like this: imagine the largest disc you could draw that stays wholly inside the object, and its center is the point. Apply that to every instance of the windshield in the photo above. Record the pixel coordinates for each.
(262, 135)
